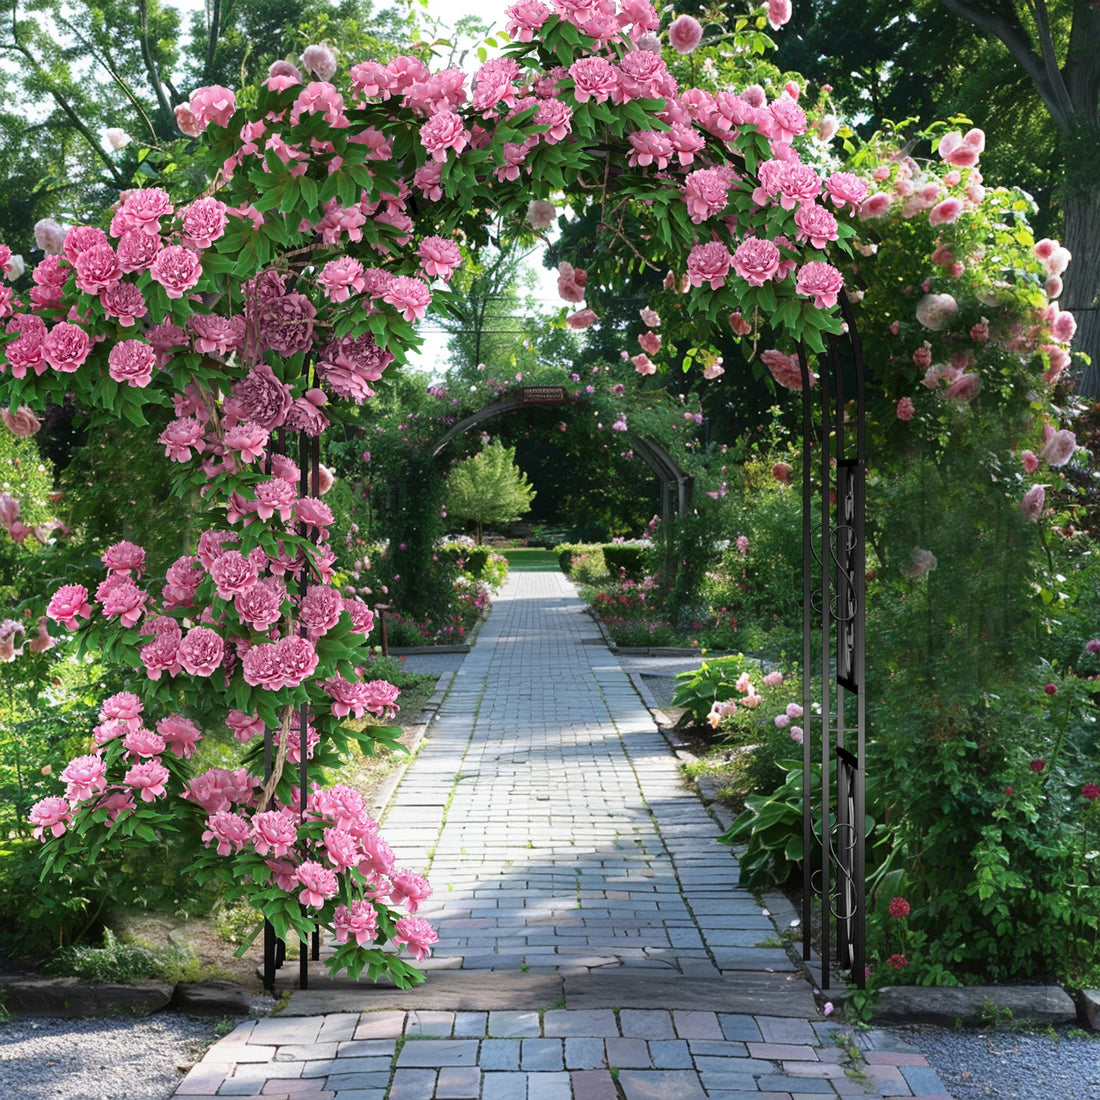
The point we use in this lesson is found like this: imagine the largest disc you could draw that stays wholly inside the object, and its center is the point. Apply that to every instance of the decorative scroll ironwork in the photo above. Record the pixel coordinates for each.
(833, 681)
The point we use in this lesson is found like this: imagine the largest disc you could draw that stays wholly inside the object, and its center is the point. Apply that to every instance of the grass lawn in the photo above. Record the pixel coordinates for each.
(530, 558)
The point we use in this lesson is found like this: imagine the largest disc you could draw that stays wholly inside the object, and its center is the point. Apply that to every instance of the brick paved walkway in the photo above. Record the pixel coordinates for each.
(593, 941)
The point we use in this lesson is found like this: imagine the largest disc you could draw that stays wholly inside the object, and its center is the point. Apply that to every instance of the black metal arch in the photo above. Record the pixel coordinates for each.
(833, 614)
(676, 485)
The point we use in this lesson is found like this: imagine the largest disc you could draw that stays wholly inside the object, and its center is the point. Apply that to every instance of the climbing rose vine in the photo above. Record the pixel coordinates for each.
(263, 309)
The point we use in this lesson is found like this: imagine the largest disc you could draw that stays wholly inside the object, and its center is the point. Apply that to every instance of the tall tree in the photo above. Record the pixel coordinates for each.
(489, 489)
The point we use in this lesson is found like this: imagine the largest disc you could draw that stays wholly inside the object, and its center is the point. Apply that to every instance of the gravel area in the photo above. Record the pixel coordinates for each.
(1006, 1064)
(104, 1058)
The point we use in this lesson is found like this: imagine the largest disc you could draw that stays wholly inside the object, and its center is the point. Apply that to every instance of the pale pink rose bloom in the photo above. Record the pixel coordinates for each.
(650, 317)
(965, 388)
(954, 149)
(945, 212)
(827, 127)
(643, 364)
(921, 562)
(49, 235)
(1064, 326)
(782, 721)
(1030, 461)
(582, 319)
(713, 370)
(685, 34)
(785, 369)
(876, 206)
(541, 214)
(186, 121)
(571, 282)
(1058, 261)
(779, 13)
(22, 422)
(1052, 286)
(1031, 506)
(820, 281)
(1059, 448)
(934, 311)
(650, 342)
(905, 409)
(320, 61)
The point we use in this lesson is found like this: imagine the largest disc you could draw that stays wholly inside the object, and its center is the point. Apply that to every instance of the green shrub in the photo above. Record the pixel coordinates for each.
(623, 560)
(124, 962)
(565, 559)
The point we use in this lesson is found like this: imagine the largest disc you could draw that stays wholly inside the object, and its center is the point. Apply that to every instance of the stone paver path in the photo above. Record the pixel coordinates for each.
(594, 943)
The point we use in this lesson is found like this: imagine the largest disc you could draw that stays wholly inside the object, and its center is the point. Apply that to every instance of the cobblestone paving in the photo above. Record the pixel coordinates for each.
(547, 809)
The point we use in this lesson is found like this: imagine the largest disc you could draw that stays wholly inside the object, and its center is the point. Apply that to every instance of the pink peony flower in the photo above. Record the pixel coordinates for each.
(685, 34)
(53, 814)
(360, 919)
(820, 281)
(234, 574)
(180, 437)
(710, 263)
(706, 192)
(593, 78)
(125, 302)
(203, 222)
(244, 727)
(274, 832)
(141, 212)
(66, 347)
(132, 362)
(231, 831)
(97, 268)
(248, 440)
(417, 934)
(318, 883)
(525, 19)
(340, 277)
(177, 269)
(411, 296)
(784, 368)
(180, 734)
(443, 131)
(201, 651)
(409, 889)
(68, 604)
(212, 104)
(149, 778)
(755, 260)
(84, 776)
(297, 660)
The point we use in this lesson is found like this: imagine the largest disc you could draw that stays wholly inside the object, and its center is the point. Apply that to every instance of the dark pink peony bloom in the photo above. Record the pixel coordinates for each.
(439, 257)
(97, 268)
(214, 335)
(898, 908)
(247, 440)
(275, 496)
(685, 34)
(593, 78)
(201, 651)
(382, 696)
(360, 919)
(340, 277)
(313, 513)
(417, 934)
(650, 147)
(84, 776)
(362, 618)
(347, 364)
(274, 832)
(706, 192)
(233, 574)
(141, 211)
(261, 606)
(318, 883)
(815, 224)
(710, 263)
(411, 296)
(177, 269)
(297, 658)
(262, 398)
(905, 409)
(261, 667)
(66, 347)
(285, 323)
(230, 830)
(409, 889)
(320, 609)
(78, 238)
(180, 437)
(132, 362)
(125, 302)
(784, 369)
(305, 413)
(124, 557)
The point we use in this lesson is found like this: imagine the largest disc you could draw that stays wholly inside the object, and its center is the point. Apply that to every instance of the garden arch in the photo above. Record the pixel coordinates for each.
(342, 215)
(675, 484)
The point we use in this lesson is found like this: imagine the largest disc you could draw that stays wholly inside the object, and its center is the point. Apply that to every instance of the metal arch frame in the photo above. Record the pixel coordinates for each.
(676, 485)
(833, 607)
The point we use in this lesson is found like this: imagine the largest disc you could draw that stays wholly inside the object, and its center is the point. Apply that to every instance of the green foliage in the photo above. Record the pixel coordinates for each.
(123, 962)
(488, 489)
(624, 560)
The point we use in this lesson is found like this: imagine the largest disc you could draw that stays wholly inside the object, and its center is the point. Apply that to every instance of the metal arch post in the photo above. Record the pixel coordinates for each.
(834, 604)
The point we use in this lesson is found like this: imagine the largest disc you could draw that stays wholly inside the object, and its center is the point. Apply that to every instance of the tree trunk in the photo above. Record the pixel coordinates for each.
(1081, 295)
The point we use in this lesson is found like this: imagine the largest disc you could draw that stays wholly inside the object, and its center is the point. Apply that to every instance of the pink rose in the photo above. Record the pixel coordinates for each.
(22, 422)
(905, 409)
(1031, 506)
(685, 34)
